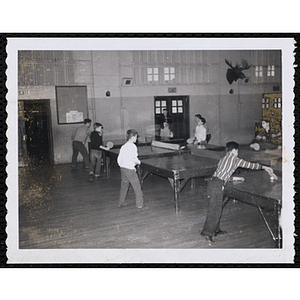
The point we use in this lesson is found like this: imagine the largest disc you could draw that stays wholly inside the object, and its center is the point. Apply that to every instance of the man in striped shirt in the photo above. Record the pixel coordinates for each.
(226, 167)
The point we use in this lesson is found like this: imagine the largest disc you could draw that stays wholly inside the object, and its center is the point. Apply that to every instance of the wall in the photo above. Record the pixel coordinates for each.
(199, 74)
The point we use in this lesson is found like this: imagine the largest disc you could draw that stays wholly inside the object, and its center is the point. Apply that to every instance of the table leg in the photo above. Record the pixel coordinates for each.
(277, 216)
(107, 166)
(176, 187)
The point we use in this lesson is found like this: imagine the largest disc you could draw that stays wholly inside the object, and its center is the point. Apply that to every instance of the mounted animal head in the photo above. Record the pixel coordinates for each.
(235, 73)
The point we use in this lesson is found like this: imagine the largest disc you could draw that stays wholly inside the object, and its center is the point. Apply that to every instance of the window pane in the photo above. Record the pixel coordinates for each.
(179, 102)
(172, 76)
(157, 103)
(157, 110)
(174, 110)
(155, 70)
(166, 70)
(180, 110)
(167, 77)
(163, 103)
(172, 70)
(149, 77)
(174, 103)
(149, 70)
(155, 77)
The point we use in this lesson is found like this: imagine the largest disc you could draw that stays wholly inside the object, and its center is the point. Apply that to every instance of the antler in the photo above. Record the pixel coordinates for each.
(229, 63)
(245, 65)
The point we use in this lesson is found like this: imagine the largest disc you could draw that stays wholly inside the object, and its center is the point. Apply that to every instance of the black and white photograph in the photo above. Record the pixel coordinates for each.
(153, 150)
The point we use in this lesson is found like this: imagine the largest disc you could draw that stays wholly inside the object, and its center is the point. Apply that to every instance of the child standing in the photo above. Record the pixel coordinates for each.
(79, 137)
(96, 152)
(200, 131)
(226, 167)
(127, 160)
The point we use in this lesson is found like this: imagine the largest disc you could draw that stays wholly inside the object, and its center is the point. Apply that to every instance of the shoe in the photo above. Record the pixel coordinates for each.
(91, 177)
(97, 176)
(122, 205)
(220, 232)
(142, 208)
(208, 237)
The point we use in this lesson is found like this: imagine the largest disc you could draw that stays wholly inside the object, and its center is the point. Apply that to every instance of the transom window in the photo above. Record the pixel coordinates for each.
(152, 75)
(258, 71)
(271, 70)
(169, 75)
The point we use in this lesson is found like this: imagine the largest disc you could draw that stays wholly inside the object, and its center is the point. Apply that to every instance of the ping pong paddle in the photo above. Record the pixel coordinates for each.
(109, 145)
(272, 174)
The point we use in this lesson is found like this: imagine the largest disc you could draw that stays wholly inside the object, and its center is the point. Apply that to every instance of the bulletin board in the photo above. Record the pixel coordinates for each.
(72, 104)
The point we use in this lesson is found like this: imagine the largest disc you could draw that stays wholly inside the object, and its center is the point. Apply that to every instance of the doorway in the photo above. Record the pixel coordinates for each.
(177, 110)
(35, 136)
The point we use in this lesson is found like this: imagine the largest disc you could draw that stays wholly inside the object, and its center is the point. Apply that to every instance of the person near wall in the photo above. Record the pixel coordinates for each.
(200, 132)
(96, 151)
(128, 160)
(165, 123)
(215, 187)
(79, 138)
(267, 140)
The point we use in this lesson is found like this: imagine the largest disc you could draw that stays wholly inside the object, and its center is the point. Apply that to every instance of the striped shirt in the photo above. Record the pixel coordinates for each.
(229, 163)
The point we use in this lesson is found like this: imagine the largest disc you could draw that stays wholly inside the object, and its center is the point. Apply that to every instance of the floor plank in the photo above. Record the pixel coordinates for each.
(60, 209)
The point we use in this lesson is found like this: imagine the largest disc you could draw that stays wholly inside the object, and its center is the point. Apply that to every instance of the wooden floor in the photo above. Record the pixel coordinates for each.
(59, 208)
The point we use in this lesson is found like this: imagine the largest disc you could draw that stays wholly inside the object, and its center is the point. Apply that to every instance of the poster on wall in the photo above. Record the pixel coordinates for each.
(71, 103)
(74, 116)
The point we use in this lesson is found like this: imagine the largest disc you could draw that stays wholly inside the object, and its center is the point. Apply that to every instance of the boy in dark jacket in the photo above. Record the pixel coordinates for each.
(96, 152)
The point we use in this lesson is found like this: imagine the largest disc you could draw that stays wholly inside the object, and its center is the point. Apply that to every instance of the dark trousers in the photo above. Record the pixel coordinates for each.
(130, 176)
(215, 192)
(96, 160)
(79, 147)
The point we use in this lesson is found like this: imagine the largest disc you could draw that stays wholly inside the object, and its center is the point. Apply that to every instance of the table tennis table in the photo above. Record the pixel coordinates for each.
(245, 152)
(144, 152)
(179, 170)
(257, 189)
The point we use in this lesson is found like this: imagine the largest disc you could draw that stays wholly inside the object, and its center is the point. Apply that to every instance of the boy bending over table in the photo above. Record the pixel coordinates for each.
(215, 187)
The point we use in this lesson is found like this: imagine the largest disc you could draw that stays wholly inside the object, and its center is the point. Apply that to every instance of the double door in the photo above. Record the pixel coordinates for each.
(178, 112)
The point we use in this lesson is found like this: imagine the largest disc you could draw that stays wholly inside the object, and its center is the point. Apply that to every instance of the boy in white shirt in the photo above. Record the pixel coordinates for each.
(127, 160)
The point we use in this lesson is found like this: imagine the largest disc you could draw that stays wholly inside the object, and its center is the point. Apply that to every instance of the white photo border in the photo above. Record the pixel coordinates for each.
(150, 256)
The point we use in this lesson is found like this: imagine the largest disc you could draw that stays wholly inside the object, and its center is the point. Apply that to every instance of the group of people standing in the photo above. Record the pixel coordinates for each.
(93, 159)
(128, 160)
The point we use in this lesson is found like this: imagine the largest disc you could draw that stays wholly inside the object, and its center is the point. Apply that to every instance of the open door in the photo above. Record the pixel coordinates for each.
(35, 135)
(177, 108)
